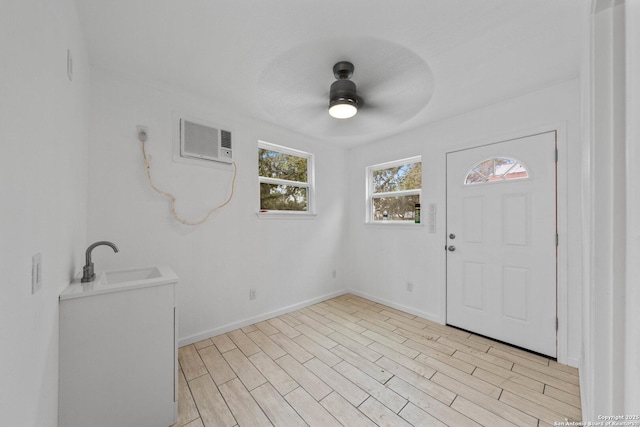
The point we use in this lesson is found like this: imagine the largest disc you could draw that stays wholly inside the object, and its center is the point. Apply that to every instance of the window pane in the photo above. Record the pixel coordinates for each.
(272, 164)
(396, 208)
(283, 197)
(496, 169)
(403, 177)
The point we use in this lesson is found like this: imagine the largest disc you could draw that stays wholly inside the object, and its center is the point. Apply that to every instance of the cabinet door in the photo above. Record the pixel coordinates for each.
(117, 359)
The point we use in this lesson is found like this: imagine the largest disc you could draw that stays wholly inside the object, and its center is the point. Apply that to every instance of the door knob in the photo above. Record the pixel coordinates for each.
(451, 248)
(452, 236)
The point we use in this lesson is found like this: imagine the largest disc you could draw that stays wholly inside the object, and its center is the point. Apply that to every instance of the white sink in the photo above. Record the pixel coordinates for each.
(120, 280)
(112, 277)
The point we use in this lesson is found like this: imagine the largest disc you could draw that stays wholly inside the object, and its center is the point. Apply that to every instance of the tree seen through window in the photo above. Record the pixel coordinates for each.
(395, 190)
(284, 180)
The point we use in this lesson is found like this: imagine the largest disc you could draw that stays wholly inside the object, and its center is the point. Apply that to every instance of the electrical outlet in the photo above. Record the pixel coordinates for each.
(334, 274)
(143, 132)
(36, 273)
(252, 294)
(409, 287)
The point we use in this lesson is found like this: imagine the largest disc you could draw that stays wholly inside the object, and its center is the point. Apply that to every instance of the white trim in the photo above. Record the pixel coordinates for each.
(282, 149)
(632, 350)
(255, 319)
(562, 209)
(400, 162)
(604, 348)
(278, 181)
(587, 383)
(410, 310)
(285, 215)
(399, 193)
(394, 224)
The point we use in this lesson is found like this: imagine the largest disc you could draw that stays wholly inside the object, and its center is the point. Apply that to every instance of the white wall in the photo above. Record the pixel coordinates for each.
(287, 261)
(384, 258)
(43, 183)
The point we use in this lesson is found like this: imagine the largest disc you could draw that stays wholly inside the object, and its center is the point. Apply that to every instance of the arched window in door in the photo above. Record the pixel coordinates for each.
(497, 169)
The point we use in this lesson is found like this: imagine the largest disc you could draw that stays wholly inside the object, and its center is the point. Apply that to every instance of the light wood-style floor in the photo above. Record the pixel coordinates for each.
(352, 362)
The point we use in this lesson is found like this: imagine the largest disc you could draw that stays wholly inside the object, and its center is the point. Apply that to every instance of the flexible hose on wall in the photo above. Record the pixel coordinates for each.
(142, 136)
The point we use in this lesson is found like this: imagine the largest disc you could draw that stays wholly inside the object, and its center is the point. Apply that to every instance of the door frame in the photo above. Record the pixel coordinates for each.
(562, 258)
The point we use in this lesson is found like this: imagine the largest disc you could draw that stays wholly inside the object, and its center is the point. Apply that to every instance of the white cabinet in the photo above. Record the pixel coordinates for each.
(118, 353)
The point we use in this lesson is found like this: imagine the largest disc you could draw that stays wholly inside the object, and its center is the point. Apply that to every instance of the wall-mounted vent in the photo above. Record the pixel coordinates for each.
(203, 141)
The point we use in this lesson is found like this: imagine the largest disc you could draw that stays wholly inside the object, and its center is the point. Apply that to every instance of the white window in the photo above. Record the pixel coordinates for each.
(497, 169)
(286, 180)
(393, 190)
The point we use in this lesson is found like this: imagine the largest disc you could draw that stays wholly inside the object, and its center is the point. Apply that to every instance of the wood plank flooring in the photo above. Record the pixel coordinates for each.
(352, 362)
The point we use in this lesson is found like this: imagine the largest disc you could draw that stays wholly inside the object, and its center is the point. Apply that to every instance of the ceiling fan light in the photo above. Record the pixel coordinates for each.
(343, 101)
(343, 108)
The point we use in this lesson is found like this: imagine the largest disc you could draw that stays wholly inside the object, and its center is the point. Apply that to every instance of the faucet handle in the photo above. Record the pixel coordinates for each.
(88, 274)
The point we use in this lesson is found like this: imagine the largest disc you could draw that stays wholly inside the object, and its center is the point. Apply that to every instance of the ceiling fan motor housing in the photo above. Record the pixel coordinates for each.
(343, 70)
(341, 91)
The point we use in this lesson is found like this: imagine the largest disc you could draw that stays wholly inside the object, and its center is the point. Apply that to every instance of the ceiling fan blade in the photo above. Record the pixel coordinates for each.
(393, 82)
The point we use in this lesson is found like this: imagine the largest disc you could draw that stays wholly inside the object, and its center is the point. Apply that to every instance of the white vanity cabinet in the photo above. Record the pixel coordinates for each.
(118, 351)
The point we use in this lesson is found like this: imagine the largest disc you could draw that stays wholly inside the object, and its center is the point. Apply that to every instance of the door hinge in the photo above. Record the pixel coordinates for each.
(557, 239)
(556, 155)
(556, 323)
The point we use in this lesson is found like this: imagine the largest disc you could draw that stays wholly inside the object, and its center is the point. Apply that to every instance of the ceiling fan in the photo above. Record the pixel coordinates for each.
(343, 97)
(298, 87)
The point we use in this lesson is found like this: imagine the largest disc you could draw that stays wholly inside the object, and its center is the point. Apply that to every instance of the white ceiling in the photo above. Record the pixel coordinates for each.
(415, 60)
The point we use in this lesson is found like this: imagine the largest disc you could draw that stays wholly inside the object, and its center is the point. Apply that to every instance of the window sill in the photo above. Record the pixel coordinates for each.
(285, 215)
(394, 224)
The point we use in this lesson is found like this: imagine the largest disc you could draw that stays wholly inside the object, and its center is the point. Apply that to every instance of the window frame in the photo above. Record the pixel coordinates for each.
(309, 185)
(369, 217)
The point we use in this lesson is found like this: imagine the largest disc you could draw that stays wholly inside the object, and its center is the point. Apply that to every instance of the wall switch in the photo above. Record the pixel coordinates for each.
(432, 217)
(409, 287)
(36, 273)
(334, 274)
(252, 294)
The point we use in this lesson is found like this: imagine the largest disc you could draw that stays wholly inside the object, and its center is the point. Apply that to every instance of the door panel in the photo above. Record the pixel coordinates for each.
(515, 213)
(501, 273)
(515, 293)
(473, 283)
(473, 219)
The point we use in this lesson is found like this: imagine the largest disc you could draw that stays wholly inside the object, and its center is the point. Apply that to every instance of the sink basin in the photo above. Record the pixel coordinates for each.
(113, 277)
(120, 280)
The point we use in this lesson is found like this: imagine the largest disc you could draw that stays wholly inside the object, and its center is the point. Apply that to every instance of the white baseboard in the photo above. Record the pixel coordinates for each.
(574, 362)
(250, 321)
(400, 307)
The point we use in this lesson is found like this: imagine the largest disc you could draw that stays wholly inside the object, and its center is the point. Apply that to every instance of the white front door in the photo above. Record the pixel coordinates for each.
(501, 241)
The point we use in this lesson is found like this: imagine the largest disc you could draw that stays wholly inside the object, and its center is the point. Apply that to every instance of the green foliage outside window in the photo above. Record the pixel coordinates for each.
(272, 164)
(397, 208)
(400, 178)
(404, 177)
(286, 187)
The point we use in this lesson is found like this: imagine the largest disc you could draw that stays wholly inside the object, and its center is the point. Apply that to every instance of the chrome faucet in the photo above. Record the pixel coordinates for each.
(88, 274)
